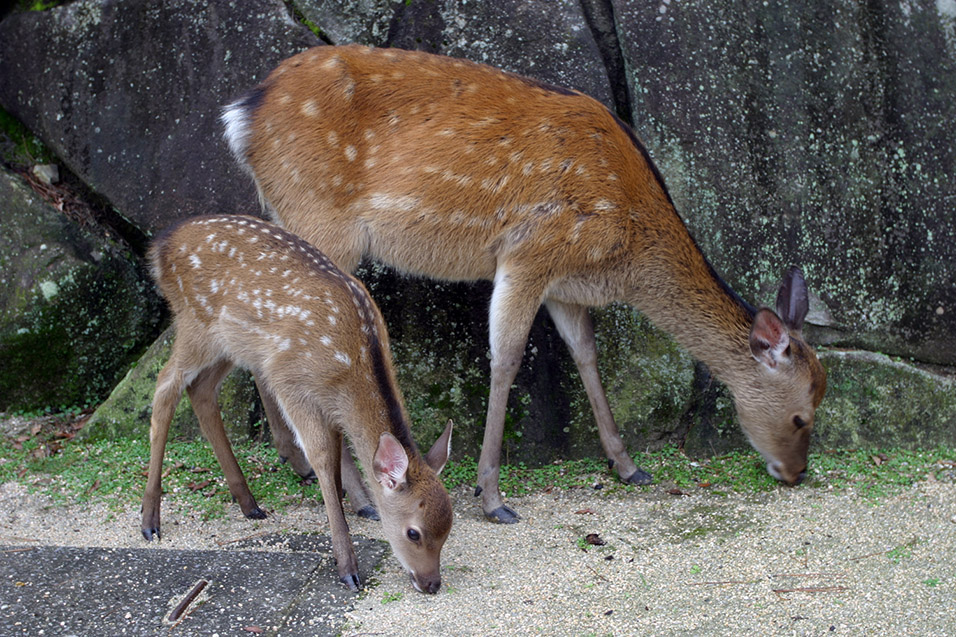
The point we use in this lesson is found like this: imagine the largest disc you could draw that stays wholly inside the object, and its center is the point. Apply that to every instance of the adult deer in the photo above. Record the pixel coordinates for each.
(460, 171)
(245, 292)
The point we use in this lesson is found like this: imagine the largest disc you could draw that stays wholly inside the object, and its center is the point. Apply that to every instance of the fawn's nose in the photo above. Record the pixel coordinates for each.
(426, 584)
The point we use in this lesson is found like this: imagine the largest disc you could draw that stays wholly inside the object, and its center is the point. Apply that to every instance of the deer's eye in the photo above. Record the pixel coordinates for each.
(799, 422)
(413, 535)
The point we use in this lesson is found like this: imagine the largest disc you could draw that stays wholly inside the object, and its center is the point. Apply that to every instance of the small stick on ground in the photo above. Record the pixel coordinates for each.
(190, 596)
(242, 539)
(13, 538)
(810, 589)
(837, 575)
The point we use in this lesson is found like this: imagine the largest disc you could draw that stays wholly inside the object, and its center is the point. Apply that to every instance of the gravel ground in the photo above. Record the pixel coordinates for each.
(791, 562)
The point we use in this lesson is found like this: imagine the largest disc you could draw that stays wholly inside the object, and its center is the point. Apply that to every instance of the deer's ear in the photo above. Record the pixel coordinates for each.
(391, 462)
(769, 339)
(793, 301)
(438, 455)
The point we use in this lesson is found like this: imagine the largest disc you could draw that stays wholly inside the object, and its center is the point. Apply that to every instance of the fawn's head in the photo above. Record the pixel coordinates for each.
(415, 507)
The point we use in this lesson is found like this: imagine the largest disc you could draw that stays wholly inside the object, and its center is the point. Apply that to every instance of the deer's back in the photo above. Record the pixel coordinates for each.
(448, 168)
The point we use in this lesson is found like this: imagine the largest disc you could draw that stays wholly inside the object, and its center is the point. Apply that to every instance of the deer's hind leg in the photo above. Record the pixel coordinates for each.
(574, 325)
(187, 361)
(204, 396)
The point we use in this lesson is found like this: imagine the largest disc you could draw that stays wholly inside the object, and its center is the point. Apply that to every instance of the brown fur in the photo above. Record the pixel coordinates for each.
(245, 292)
(460, 171)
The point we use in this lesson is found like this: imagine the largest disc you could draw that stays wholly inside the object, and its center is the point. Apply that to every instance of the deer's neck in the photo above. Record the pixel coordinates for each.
(675, 287)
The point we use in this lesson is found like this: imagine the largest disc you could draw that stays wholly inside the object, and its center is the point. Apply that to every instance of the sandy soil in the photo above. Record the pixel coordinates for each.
(791, 562)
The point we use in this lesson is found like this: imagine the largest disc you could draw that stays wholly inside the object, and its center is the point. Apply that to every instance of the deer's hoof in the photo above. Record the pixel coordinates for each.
(257, 514)
(640, 477)
(309, 478)
(503, 515)
(368, 512)
(150, 532)
(352, 581)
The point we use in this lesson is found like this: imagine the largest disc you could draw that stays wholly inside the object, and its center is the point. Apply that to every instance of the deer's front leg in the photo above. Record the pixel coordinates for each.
(288, 450)
(282, 436)
(513, 307)
(324, 451)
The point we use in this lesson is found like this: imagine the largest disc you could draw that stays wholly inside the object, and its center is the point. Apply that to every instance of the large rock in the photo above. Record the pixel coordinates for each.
(128, 409)
(76, 308)
(127, 93)
(876, 401)
(817, 135)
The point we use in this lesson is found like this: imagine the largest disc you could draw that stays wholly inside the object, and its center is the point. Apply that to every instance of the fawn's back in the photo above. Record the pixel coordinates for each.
(269, 301)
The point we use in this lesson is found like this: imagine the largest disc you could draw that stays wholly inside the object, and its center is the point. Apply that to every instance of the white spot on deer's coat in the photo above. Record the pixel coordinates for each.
(460, 179)
(333, 138)
(343, 358)
(350, 152)
(383, 201)
(325, 340)
(310, 108)
(194, 259)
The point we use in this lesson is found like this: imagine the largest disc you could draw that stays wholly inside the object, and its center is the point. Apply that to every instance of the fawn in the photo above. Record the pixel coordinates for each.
(245, 292)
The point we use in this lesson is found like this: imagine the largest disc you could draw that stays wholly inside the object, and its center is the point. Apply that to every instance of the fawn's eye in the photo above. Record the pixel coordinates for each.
(798, 422)
(413, 535)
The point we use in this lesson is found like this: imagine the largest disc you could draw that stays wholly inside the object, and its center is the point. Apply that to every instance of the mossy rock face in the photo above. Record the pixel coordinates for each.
(126, 413)
(134, 117)
(875, 401)
(75, 308)
(807, 137)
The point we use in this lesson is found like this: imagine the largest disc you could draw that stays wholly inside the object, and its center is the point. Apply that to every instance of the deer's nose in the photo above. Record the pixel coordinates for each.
(425, 584)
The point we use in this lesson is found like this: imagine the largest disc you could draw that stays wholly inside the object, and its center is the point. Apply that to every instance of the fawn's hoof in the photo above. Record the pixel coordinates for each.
(352, 581)
(257, 514)
(368, 512)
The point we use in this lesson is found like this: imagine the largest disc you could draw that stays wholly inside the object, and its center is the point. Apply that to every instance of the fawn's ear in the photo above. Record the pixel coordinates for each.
(769, 339)
(391, 462)
(438, 455)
